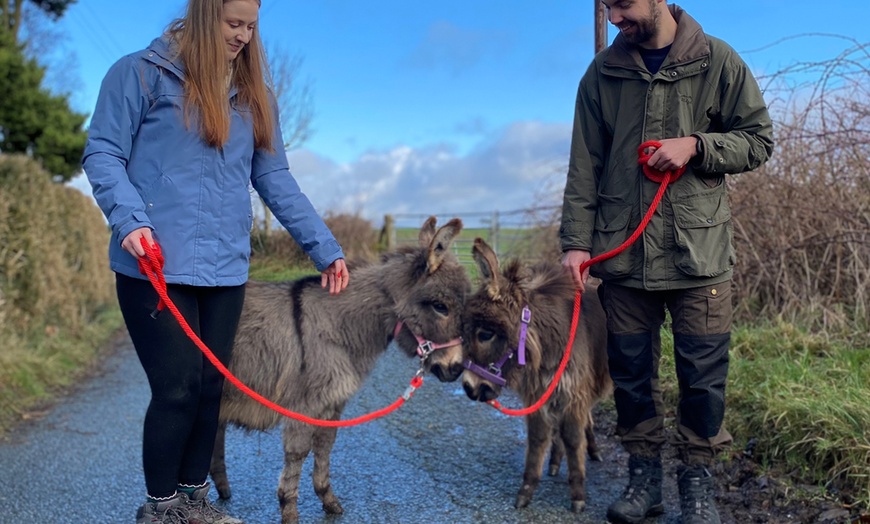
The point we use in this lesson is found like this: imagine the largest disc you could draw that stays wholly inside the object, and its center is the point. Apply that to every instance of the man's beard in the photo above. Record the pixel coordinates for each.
(645, 29)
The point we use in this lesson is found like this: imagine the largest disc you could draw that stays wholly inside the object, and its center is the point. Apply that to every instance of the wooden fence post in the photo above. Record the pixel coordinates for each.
(494, 231)
(388, 233)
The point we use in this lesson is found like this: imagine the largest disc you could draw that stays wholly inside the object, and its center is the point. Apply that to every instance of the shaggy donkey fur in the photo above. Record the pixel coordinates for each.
(310, 352)
(491, 326)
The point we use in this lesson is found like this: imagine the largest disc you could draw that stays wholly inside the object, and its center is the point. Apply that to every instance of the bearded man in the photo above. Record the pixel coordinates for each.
(663, 79)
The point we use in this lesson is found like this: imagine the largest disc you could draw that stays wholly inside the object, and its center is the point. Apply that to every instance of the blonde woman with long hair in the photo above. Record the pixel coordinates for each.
(180, 131)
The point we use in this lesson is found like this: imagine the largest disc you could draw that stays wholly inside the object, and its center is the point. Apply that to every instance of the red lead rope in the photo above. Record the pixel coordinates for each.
(663, 178)
(151, 265)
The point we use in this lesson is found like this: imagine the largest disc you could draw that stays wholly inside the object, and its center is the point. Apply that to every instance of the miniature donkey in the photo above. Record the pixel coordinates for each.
(496, 344)
(310, 352)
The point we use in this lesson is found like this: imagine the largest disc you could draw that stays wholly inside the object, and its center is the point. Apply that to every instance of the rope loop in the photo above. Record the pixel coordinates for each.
(652, 173)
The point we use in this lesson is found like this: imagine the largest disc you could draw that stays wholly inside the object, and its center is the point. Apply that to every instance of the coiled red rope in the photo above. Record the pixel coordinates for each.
(151, 265)
(664, 179)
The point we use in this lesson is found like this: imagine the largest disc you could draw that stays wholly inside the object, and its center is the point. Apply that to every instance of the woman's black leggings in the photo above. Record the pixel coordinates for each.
(182, 418)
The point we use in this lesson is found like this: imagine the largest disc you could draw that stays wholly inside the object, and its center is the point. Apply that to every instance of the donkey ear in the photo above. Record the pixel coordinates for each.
(439, 246)
(487, 262)
(427, 232)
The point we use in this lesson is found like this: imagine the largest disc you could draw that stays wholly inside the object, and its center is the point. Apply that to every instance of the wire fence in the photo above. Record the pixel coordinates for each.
(519, 233)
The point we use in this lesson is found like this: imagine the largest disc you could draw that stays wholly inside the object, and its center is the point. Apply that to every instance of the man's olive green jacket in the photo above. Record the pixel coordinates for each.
(703, 89)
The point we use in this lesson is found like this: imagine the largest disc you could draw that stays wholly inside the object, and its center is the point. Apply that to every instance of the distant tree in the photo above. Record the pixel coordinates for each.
(294, 95)
(12, 12)
(34, 121)
(295, 104)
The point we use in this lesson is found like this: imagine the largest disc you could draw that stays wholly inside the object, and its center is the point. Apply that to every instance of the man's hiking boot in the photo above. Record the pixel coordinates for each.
(643, 495)
(171, 511)
(696, 496)
(201, 511)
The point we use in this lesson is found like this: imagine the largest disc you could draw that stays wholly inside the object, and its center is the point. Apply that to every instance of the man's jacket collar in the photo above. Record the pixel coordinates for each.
(690, 44)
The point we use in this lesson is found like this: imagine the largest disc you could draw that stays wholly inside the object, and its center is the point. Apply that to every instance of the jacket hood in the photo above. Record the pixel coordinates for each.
(163, 52)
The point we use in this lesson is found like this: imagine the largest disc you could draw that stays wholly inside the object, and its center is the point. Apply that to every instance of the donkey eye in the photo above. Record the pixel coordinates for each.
(485, 335)
(440, 308)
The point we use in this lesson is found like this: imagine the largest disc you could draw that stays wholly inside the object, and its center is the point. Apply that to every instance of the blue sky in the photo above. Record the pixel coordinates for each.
(444, 106)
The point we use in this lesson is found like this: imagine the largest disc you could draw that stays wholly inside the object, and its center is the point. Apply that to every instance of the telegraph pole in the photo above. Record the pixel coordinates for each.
(600, 26)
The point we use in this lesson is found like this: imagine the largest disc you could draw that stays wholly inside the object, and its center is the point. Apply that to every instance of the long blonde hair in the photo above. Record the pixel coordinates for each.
(201, 47)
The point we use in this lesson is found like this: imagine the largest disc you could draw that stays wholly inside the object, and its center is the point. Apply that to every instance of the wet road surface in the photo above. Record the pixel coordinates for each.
(439, 459)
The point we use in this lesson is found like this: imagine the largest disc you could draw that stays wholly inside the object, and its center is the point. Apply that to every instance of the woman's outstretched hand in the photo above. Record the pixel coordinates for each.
(336, 276)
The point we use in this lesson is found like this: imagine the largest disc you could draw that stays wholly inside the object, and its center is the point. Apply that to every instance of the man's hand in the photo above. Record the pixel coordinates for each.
(571, 261)
(674, 153)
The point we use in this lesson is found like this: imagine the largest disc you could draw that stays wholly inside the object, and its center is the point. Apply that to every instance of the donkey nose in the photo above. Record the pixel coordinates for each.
(452, 372)
(470, 390)
(446, 373)
(487, 393)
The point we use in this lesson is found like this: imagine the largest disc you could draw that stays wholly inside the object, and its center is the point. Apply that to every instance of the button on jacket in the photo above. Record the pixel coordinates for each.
(148, 169)
(703, 89)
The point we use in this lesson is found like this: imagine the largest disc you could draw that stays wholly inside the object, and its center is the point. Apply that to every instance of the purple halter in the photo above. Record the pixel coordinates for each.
(492, 372)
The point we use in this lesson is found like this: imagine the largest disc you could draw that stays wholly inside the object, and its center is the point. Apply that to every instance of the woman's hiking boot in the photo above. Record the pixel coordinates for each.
(643, 495)
(170, 511)
(201, 511)
(696, 495)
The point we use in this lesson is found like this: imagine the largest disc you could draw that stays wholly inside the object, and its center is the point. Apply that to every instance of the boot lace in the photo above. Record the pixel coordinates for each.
(204, 511)
(696, 499)
(174, 515)
(637, 486)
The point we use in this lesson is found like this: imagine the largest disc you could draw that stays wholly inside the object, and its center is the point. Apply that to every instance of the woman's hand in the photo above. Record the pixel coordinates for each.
(133, 245)
(336, 275)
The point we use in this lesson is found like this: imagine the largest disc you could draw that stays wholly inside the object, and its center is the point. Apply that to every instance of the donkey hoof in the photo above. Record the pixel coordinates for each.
(522, 501)
(578, 506)
(554, 470)
(333, 508)
(224, 491)
(289, 516)
(595, 456)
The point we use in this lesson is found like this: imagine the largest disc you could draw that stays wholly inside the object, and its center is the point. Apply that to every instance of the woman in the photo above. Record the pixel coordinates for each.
(179, 132)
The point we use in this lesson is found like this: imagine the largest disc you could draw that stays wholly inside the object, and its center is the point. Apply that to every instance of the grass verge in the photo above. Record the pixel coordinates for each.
(36, 368)
(803, 399)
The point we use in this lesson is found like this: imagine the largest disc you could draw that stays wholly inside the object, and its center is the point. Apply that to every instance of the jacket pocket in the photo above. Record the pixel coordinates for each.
(611, 230)
(703, 233)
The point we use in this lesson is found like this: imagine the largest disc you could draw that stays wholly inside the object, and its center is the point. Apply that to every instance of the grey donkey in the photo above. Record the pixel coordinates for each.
(495, 343)
(310, 352)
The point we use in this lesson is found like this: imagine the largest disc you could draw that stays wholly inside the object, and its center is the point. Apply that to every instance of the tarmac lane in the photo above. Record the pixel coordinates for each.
(440, 458)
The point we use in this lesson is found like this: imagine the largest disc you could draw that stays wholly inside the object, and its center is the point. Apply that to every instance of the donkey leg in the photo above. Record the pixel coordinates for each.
(557, 453)
(591, 444)
(539, 436)
(324, 439)
(297, 444)
(218, 467)
(573, 431)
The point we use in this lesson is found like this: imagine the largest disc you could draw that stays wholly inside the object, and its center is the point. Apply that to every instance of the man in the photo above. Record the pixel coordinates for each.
(663, 79)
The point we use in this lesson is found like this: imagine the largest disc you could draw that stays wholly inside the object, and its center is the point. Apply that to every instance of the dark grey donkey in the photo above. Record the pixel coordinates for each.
(523, 314)
(310, 352)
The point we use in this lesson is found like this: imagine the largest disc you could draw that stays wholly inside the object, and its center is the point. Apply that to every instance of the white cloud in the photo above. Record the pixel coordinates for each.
(522, 166)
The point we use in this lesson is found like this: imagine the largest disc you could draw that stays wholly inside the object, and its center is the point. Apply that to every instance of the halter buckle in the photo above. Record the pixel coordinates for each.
(424, 349)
